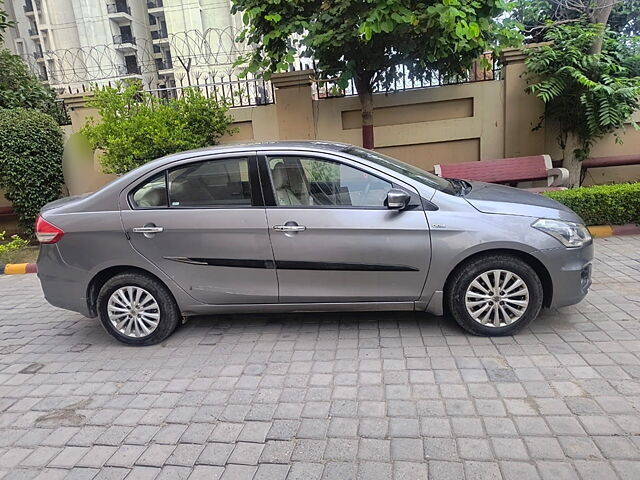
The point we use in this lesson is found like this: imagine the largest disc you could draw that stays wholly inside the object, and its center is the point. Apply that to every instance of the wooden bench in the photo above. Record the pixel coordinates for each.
(509, 171)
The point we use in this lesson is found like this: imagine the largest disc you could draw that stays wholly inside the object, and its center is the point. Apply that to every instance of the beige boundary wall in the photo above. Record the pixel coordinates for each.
(457, 123)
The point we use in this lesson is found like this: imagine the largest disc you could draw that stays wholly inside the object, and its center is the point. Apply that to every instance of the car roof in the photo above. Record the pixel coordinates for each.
(315, 145)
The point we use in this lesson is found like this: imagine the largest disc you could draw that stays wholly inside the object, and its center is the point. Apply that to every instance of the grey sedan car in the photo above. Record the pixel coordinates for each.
(303, 227)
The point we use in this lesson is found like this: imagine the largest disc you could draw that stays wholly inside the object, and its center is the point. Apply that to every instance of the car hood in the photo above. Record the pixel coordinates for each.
(492, 198)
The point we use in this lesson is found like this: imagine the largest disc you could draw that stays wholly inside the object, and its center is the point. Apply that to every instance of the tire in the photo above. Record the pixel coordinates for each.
(167, 312)
(464, 287)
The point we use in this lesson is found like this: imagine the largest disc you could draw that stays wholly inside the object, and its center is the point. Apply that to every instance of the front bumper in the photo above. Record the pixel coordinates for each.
(570, 271)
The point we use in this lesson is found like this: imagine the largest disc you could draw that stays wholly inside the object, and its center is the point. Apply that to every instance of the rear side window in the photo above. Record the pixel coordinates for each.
(152, 194)
(211, 183)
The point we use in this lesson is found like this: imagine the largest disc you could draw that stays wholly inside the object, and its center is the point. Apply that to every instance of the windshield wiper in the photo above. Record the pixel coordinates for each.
(460, 187)
(455, 185)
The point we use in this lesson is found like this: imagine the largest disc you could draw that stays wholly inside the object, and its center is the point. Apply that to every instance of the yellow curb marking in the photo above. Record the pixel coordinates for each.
(601, 231)
(15, 268)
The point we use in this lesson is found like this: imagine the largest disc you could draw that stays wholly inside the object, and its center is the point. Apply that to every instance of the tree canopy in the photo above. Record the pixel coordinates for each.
(538, 15)
(366, 40)
(587, 94)
(4, 22)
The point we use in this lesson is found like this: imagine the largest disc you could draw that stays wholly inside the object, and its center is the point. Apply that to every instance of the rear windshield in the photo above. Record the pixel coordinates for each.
(410, 171)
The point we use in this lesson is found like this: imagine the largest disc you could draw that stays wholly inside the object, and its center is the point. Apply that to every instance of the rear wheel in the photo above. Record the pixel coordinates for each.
(495, 295)
(137, 309)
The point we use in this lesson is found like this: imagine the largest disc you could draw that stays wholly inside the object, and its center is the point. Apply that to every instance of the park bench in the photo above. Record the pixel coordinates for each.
(509, 171)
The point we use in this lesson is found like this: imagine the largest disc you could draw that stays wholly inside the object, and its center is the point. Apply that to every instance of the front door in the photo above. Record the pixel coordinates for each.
(333, 238)
(207, 230)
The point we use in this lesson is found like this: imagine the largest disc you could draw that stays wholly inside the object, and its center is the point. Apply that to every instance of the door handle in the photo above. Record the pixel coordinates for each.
(148, 229)
(289, 228)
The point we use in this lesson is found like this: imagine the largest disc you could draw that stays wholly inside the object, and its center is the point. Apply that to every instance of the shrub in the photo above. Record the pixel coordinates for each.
(137, 127)
(19, 88)
(30, 161)
(10, 250)
(603, 204)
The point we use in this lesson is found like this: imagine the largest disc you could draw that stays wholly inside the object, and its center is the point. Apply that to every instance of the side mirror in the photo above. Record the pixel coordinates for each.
(397, 199)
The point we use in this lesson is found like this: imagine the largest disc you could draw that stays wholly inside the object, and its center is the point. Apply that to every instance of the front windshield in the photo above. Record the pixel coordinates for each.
(410, 171)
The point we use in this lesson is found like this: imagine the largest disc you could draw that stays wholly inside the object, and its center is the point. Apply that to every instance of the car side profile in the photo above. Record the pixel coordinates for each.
(303, 227)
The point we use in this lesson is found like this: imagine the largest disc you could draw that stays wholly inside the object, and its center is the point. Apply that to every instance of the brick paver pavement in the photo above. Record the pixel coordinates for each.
(327, 396)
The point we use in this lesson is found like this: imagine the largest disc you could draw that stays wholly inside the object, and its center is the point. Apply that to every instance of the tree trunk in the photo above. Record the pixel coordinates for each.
(600, 14)
(571, 162)
(365, 94)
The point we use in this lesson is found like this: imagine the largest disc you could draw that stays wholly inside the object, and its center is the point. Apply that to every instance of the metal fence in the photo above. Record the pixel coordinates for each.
(234, 91)
(404, 82)
(62, 114)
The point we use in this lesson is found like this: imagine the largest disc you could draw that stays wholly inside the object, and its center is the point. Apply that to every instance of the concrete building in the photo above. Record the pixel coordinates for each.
(75, 43)
(193, 40)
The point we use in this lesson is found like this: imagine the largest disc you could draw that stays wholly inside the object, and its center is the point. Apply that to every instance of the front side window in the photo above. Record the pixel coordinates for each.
(152, 194)
(410, 171)
(305, 181)
(211, 183)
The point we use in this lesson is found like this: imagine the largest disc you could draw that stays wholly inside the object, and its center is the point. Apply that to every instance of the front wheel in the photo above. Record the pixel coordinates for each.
(494, 295)
(137, 309)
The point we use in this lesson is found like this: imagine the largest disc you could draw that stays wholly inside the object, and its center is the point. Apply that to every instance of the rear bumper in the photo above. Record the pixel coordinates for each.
(570, 271)
(63, 285)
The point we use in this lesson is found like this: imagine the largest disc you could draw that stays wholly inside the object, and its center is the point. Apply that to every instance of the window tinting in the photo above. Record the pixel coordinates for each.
(314, 181)
(211, 183)
(151, 194)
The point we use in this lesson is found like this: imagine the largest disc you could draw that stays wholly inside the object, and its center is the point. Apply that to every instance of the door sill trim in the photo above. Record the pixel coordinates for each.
(300, 307)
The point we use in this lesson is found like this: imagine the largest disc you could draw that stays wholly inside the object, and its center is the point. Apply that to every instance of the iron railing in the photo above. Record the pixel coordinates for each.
(234, 91)
(328, 88)
(62, 112)
(124, 38)
(159, 34)
(118, 8)
(128, 70)
(164, 64)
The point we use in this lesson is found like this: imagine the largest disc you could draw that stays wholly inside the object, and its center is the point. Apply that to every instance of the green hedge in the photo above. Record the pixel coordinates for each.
(31, 144)
(603, 204)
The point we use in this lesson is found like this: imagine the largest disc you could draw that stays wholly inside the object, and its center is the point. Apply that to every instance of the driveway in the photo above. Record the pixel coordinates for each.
(331, 396)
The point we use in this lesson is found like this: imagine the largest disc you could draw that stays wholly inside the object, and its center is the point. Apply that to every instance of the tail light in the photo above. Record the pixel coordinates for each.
(46, 232)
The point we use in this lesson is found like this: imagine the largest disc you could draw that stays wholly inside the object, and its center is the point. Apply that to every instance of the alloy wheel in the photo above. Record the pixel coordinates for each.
(497, 298)
(133, 311)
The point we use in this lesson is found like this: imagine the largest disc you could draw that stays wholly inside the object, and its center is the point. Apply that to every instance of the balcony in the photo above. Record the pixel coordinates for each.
(124, 42)
(155, 4)
(128, 71)
(38, 55)
(33, 32)
(119, 12)
(159, 36)
(164, 64)
(28, 8)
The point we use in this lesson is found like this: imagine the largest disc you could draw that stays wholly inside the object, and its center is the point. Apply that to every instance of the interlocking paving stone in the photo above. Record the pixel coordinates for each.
(376, 395)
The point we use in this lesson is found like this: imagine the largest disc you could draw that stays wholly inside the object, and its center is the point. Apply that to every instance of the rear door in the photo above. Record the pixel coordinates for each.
(333, 238)
(204, 224)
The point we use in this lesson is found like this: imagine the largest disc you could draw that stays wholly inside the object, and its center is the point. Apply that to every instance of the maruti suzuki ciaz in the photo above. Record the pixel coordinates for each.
(304, 227)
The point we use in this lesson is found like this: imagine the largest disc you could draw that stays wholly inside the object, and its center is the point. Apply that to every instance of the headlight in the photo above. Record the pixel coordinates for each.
(570, 234)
